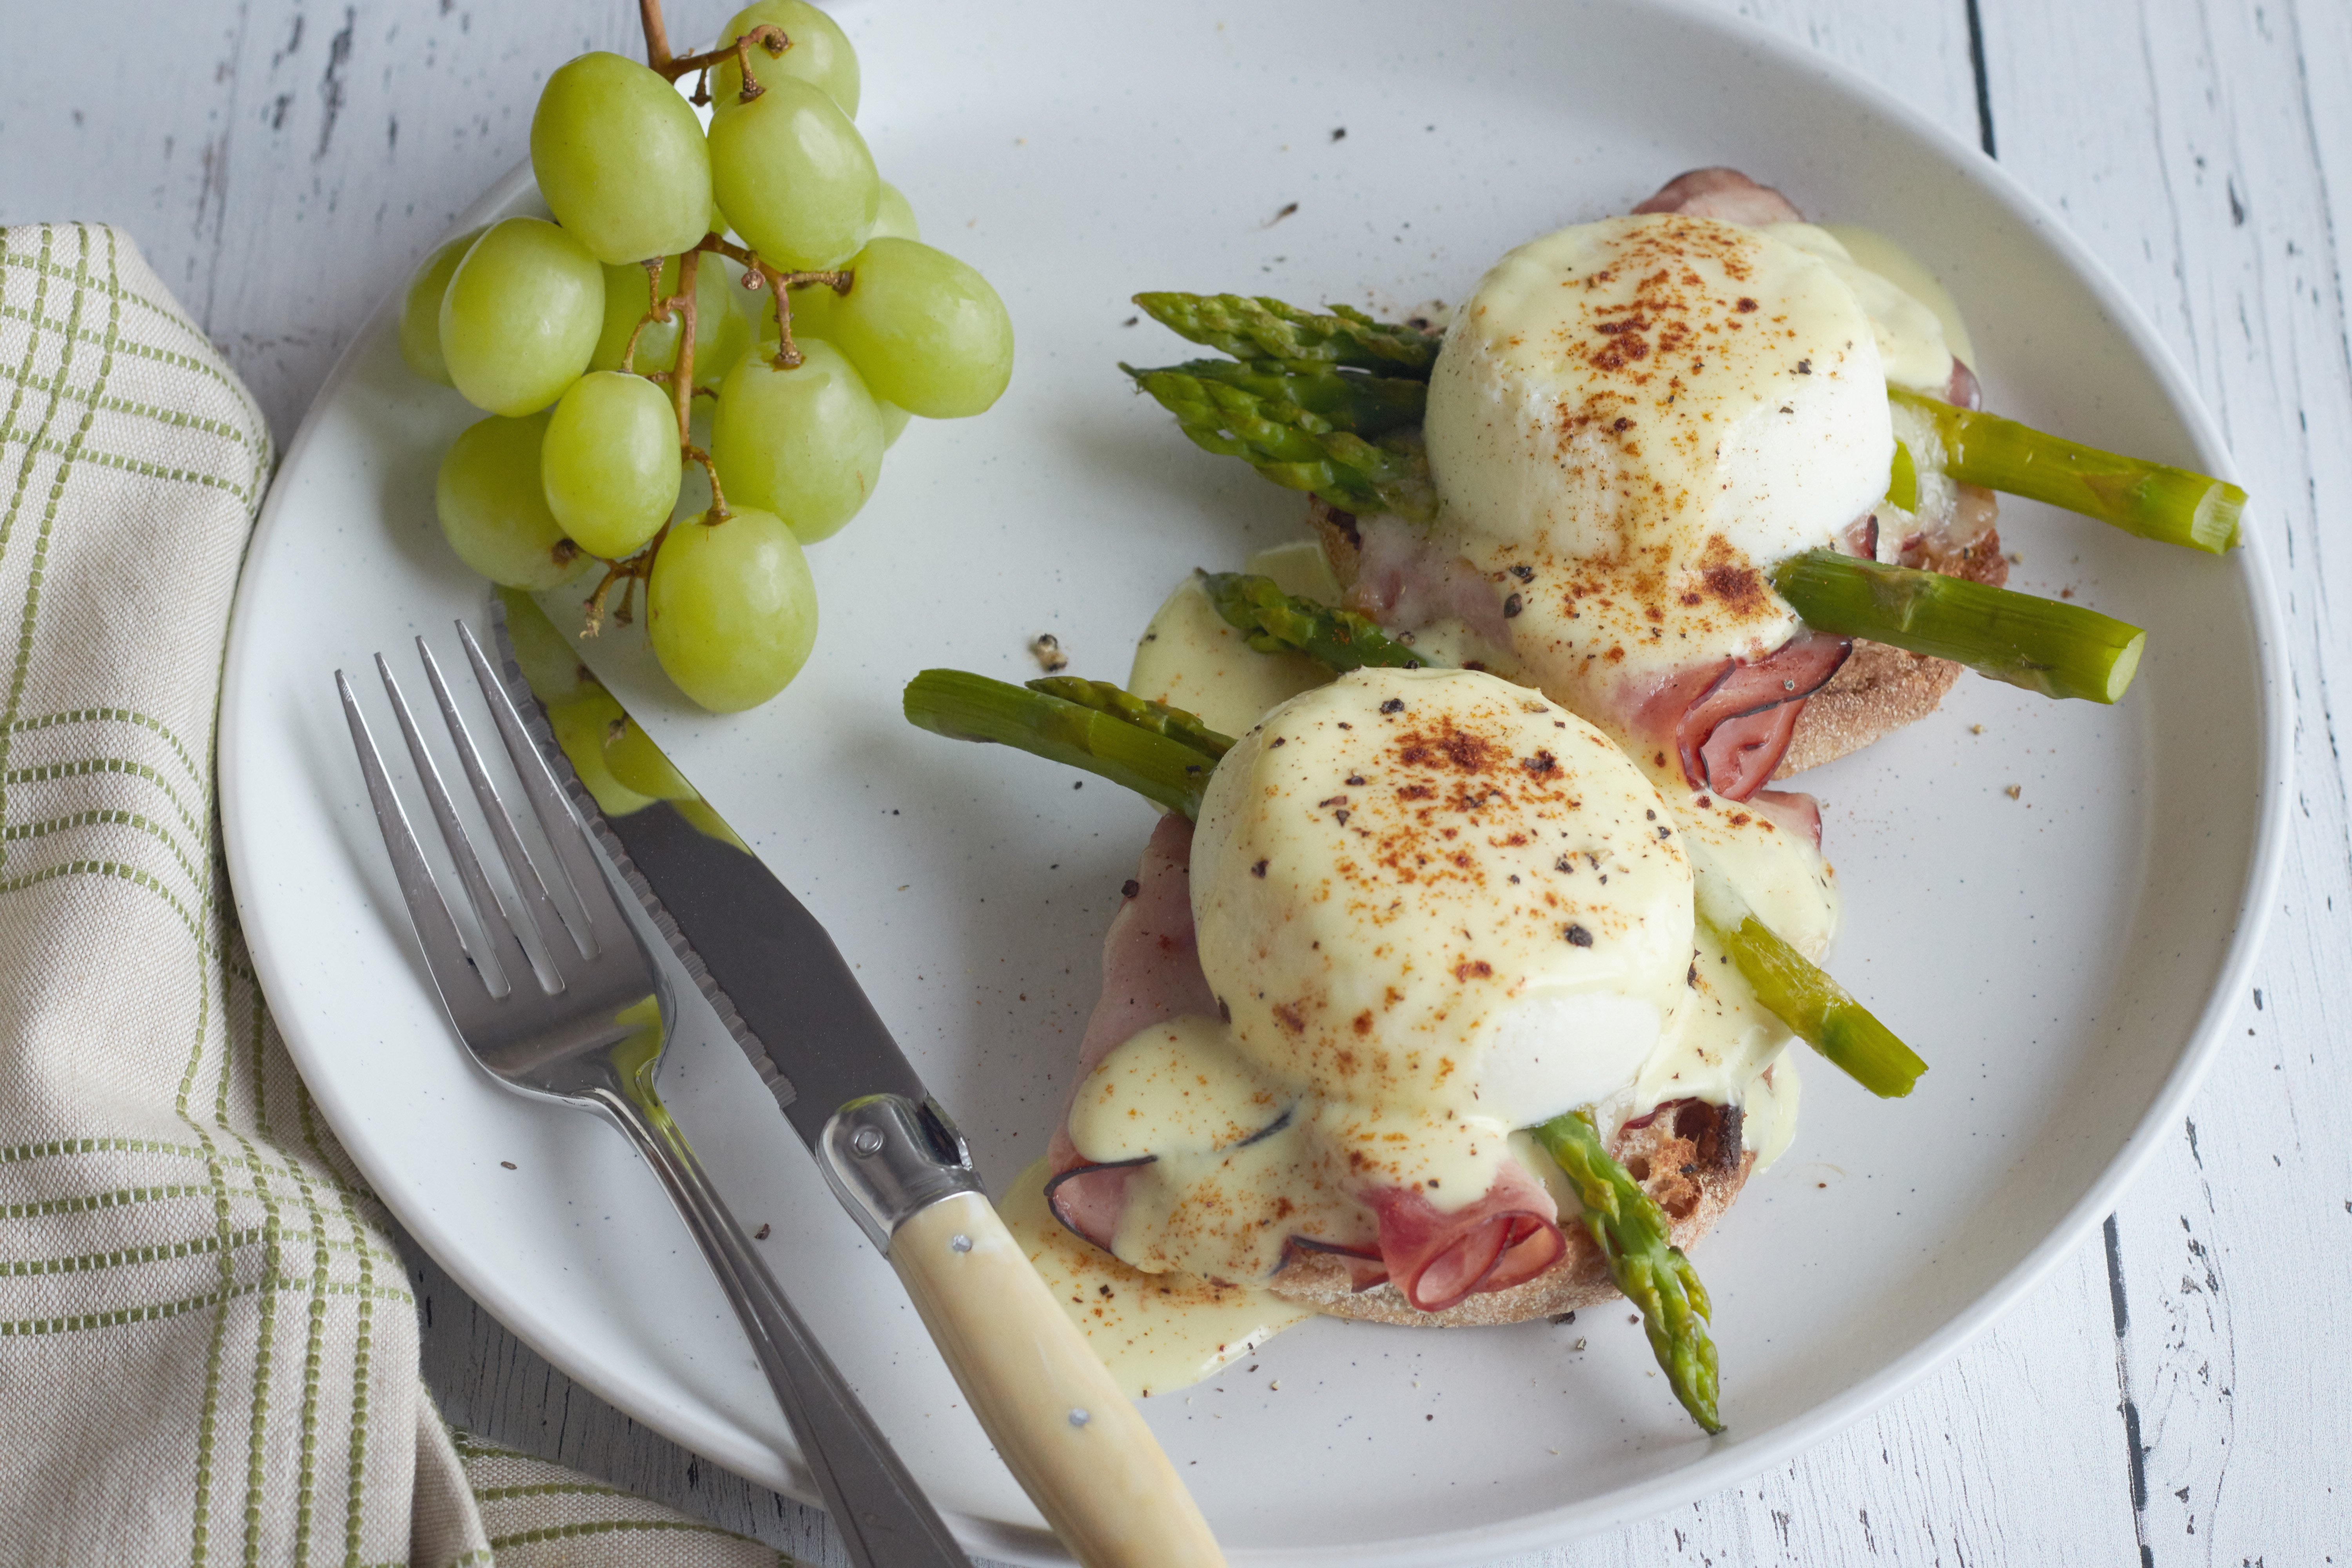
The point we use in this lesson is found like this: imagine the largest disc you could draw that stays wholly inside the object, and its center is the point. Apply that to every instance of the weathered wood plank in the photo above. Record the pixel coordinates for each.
(2208, 167)
(1917, 50)
(1990, 1460)
(282, 163)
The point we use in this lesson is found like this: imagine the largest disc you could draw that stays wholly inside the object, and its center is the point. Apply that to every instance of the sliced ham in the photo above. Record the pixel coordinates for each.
(1438, 1258)
(1151, 968)
(1151, 972)
(1405, 581)
(1794, 809)
(1726, 194)
(1730, 722)
(1964, 391)
(1089, 1198)
(1741, 751)
(1732, 735)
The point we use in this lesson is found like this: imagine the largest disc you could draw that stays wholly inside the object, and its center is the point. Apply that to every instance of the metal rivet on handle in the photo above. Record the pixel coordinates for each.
(1079, 1418)
(960, 1242)
(865, 1142)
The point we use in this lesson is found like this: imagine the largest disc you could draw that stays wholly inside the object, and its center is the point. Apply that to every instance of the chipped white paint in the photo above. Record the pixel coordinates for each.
(2174, 1394)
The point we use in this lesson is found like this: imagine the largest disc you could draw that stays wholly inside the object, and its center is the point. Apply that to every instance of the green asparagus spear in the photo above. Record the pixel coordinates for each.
(1268, 329)
(2151, 499)
(1147, 760)
(2041, 645)
(1390, 473)
(1276, 622)
(1318, 398)
(1122, 704)
(1634, 1236)
(1798, 991)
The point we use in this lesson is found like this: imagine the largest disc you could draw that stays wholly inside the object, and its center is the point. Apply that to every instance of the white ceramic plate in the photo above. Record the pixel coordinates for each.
(2065, 959)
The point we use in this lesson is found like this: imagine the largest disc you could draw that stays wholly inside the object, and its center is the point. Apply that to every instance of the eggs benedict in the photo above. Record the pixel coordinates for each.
(1458, 989)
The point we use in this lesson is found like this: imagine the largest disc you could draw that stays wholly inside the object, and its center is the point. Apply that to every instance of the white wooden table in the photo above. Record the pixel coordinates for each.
(2179, 1392)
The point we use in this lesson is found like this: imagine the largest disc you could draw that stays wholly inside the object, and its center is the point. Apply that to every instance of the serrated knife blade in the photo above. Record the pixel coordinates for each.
(764, 963)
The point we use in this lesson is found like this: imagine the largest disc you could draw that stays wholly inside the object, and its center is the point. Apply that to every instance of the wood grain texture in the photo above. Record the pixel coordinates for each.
(2210, 169)
(284, 163)
(2174, 1393)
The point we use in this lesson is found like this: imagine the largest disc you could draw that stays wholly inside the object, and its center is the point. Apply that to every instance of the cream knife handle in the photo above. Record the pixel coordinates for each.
(1070, 1437)
(1060, 1424)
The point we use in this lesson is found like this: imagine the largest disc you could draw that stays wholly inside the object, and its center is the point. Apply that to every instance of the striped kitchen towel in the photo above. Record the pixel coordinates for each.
(208, 1347)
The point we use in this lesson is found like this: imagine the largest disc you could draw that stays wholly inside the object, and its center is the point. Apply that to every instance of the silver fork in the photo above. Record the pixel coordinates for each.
(589, 1031)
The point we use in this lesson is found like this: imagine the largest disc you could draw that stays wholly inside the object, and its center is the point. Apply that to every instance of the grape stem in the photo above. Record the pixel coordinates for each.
(759, 274)
(649, 13)
(721, 245)
(718, 512)
(626, 572)
(592, 623)
(838, 281)
(766, 36)
(788, 353)
(656, 310)
(787, 349)
(681, 376)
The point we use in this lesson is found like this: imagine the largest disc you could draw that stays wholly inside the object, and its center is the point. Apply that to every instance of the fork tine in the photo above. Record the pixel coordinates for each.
(446, 951)
(556, 816)
(506, 948)
(527, 882)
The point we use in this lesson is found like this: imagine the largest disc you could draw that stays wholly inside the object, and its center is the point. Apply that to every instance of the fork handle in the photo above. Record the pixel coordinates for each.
(884, 1519)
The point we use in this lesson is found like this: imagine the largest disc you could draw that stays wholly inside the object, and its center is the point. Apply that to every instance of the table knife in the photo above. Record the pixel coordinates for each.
(892, 1155)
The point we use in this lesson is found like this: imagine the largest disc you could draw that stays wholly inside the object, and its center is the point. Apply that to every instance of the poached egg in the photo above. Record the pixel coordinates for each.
(1631, 420)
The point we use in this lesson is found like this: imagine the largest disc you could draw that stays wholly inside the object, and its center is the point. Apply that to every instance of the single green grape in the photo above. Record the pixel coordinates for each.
(551, 665)
(581, 725)
(893, 422)
(620, 158)
(520, 316)
(495, 512)
(721, 333)
(820, 55)
(795, 175)
(610, 462)
(804, 444)
(927, 330)
(420, 308)
(640, 765)
(731, 609)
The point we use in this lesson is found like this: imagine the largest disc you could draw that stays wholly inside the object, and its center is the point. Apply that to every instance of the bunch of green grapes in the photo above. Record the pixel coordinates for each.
(572, 335)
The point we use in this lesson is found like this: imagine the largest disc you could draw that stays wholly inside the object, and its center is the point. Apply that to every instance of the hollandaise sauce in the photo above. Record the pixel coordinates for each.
(1155, 1332)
